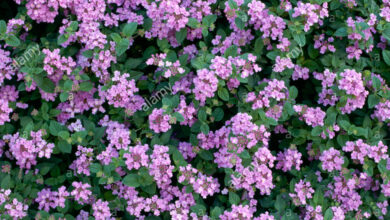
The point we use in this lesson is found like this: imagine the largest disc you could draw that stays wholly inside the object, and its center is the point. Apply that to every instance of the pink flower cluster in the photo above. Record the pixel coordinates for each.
(303, 191)
(55, 64)
(313, 13)
(312, 116)
(137, 157)
(158, 121)
(275, 90)
(167, 67)
(288, 159)
(331, 160)
(324, 45)
(382, 111)
(202, 184)
(48, 199)
(359, 150)
(206, 84)
(26, 151)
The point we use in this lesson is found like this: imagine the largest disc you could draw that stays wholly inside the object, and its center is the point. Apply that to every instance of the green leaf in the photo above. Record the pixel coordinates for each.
(3, 27)
(116, 37)
(88, 53)
(373, 100)
(239, 23)
(133, 63)
(64, 146)
(244, 155)
(208, 20)
(259, 45)
(316, 131)
(300, 39)
(205, 32)
(181, 35)
(328, 214)
(204, 128)
(64, 96)
(55, 127)
(12, 41)
(386, 56)
(202, 115)
(179, 117)
(376, 83)
(218, 114)
(6, 182)
(344, 124)
(63, 134)
(386, 32)
(86, 86)
(122, 46)
(206, 155)
(232, 4)
(129, 29)
(144, 177)
(293, 92)
(73, 26)
(95, 167)
(193, 23)
(44, 83)
(341, 32)
(199, 209)
(61, 39)
(223, 94)
(216, 212)
(280, 203)
(131, 180)
(234, 199)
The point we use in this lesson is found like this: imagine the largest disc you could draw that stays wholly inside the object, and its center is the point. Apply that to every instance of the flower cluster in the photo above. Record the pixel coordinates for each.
(180, 109)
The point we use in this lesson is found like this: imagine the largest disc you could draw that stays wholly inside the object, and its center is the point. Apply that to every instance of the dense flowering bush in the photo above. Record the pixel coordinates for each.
(194, 109)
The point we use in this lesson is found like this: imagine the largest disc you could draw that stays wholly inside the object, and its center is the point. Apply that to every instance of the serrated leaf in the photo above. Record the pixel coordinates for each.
(386, 56)
(131, 180)
(206, 155)
(293, 92)
(234, 199)
(223, 94)
(129, 29)
(341, 32)
(202, 114)
(199, 209)
(328, 214)
(44, 83)
(88, 53)
(181, 35)
(193, 23)
(373, 100)
(86, 86)
(3, 27)
(204, 128)
(95, 167)
(209, 19)
(122, 46)
(179, 117)
(116, 37)
(300, 39)
(376, 83)
(218, 114)
(12, 41)
(239, 23)
(64, 146)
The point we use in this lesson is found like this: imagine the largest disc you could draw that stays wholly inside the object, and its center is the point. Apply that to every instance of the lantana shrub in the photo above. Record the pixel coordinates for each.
(194, 109)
